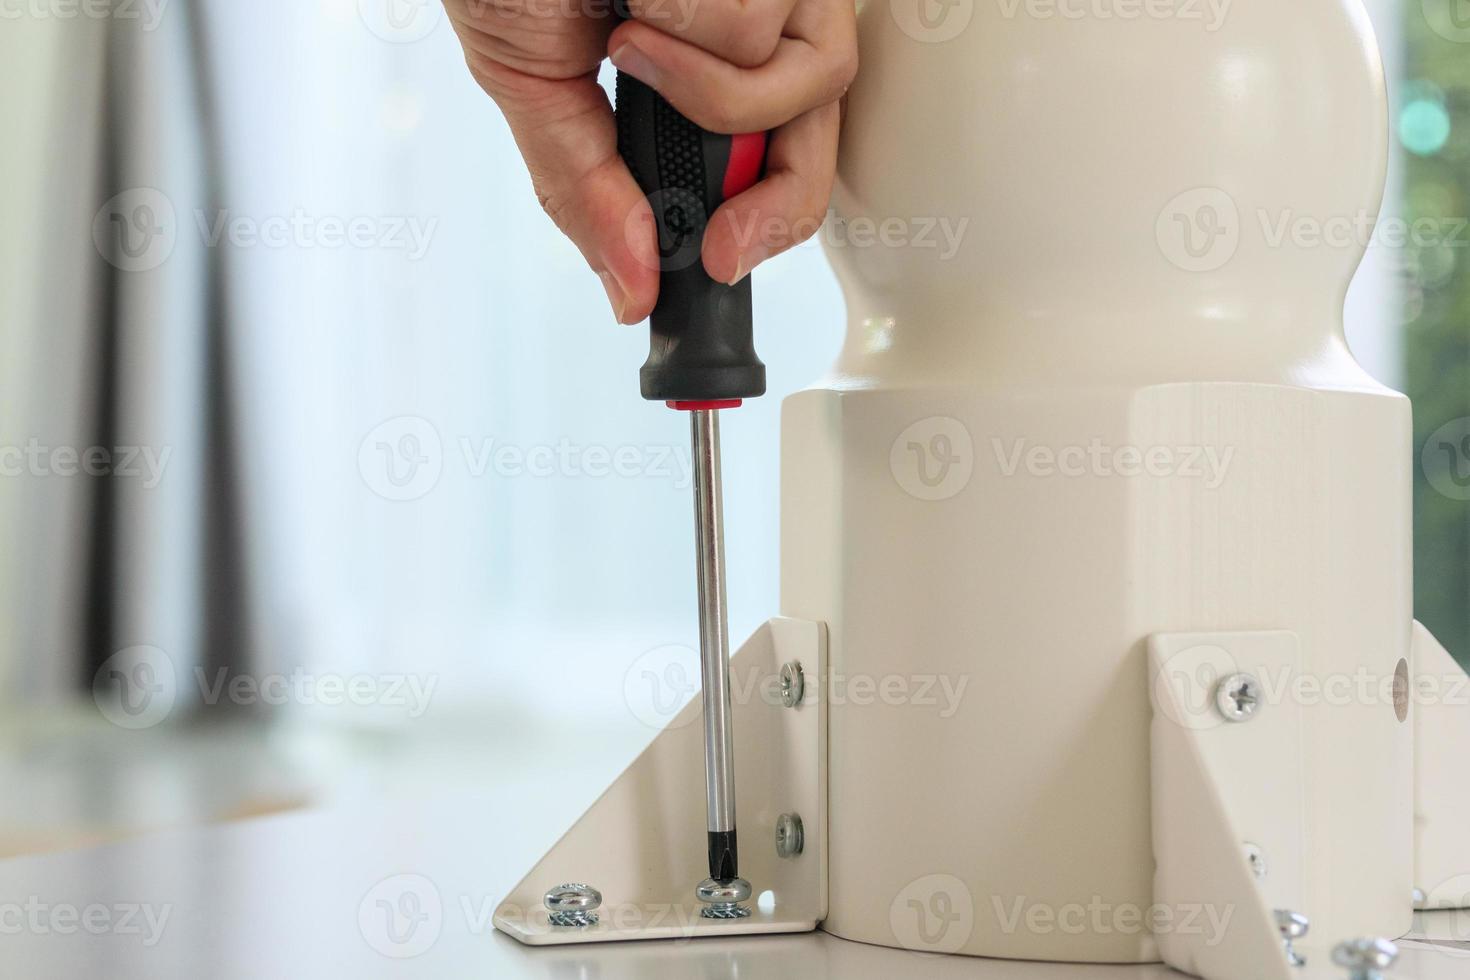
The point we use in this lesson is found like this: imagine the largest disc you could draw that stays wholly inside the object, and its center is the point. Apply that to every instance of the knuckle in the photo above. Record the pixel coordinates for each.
(753, 44)
(556, 206)
(723, 113)
(844, 69)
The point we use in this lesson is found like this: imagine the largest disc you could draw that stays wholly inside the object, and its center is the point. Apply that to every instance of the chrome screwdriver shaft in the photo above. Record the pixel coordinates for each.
(714, 658)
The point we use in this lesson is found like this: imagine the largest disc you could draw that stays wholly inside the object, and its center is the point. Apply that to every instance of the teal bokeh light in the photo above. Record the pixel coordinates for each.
(1424, 127)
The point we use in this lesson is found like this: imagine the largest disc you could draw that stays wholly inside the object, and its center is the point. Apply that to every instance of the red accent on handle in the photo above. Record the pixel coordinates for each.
(747, 159)
(704, 406)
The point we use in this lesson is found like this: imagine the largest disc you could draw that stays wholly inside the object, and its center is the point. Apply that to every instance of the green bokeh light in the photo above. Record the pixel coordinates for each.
(1424, 127)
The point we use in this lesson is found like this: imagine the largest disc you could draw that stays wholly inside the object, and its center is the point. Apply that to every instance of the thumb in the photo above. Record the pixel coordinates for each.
(567, 135)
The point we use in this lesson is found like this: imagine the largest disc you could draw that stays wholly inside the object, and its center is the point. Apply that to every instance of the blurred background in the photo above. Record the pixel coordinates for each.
(323, 473)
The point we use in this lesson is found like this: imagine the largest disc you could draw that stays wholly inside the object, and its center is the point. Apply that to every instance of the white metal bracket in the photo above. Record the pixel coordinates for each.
(1441, 706)
(1225, 793)
(643, 846)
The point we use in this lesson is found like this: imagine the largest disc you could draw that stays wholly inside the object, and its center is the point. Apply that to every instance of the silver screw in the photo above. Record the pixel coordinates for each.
(793, 684)
(1293, 926)
(1238, 697)
(574, 905)
(790, 837)
(1366, 959)
(722, 898)
(1256, 858)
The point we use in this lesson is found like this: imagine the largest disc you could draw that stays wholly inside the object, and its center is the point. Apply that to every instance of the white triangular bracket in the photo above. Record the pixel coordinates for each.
(643, 843)
(1222, 790)
(1441, 706)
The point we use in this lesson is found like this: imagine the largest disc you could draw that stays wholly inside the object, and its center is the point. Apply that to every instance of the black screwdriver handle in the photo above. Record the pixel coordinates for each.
(702, 349)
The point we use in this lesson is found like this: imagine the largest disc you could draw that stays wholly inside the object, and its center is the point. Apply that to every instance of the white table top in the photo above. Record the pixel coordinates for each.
(296, 896)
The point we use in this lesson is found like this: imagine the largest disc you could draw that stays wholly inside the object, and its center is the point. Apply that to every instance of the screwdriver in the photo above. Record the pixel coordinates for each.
(702, 361)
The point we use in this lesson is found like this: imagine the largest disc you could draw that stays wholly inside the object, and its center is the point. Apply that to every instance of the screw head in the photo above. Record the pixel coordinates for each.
(1365, 957)
(1293, 925)
(573, 904)
(1256, 859)
(793, 684)
(1238, 697)
(722, 898)
(790, 836)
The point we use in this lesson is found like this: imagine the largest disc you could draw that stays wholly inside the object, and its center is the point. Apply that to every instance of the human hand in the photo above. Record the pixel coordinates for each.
(731, 66)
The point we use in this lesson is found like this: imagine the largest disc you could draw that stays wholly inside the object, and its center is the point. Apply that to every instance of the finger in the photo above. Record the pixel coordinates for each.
(743, 32)
(725, 98)
(566, 133)
(786, 207)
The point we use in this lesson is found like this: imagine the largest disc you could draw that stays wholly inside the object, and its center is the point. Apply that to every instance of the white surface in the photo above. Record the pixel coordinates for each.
(1220, 788)
(280, 898)
(1079, 159)
(643, 842)
(1441, 709)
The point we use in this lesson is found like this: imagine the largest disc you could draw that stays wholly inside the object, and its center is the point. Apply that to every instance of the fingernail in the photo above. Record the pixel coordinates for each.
(747, 261)
(629, 59)
(615, 294)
